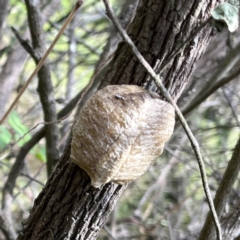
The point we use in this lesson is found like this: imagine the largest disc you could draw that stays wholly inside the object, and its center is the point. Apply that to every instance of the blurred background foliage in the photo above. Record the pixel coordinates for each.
(168, 202)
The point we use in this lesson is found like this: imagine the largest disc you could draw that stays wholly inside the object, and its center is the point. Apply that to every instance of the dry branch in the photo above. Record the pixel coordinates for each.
(45, 88)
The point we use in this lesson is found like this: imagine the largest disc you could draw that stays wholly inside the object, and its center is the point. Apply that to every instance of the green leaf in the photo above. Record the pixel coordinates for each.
(226, 14)
(16, 123)
(41, 154)
(5, 137)
(19, 128)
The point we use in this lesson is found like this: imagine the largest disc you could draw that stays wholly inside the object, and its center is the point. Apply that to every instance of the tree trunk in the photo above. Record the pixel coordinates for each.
(68, 207)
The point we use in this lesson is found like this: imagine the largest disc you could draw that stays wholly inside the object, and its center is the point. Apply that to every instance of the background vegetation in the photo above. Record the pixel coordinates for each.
(168, 202)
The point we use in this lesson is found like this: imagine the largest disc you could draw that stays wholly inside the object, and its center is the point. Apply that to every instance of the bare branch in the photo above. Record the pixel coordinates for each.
(26, 45)
(45, 88)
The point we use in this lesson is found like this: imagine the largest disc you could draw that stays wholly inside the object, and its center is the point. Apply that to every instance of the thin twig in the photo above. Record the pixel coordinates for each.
(68, 20)
(26, 45)
(109, 232)
(164, 91)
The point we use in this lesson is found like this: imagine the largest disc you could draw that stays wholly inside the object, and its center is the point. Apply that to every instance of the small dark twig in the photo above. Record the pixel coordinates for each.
(26, 45)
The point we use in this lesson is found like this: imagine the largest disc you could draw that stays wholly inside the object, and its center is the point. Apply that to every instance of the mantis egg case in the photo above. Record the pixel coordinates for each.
(120, 132)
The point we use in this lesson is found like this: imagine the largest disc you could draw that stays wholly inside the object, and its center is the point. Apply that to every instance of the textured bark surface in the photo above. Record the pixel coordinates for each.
(68, 207)
(159, 28)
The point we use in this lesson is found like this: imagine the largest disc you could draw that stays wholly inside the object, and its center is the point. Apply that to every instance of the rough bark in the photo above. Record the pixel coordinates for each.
(158, 29)
(89, 207)
(128, 11)
(68, 208)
